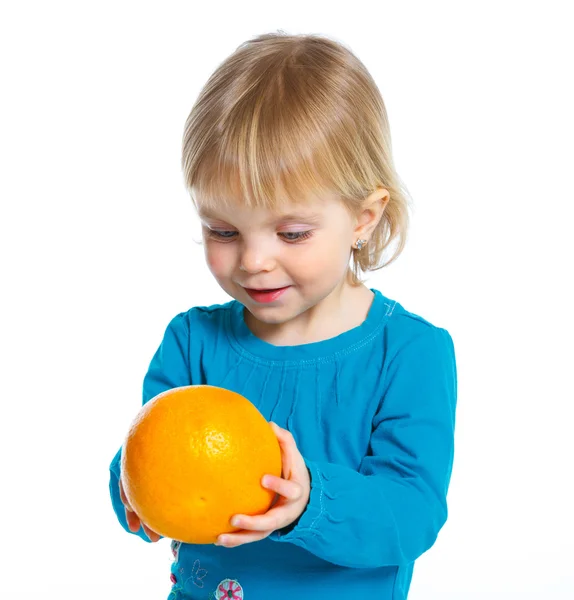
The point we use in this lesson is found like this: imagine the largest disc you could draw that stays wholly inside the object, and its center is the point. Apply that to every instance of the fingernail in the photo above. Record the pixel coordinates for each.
(222, 541)
(236, 521)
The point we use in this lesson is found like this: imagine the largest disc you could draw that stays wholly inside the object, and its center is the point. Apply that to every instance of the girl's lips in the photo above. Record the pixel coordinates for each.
(266, 296)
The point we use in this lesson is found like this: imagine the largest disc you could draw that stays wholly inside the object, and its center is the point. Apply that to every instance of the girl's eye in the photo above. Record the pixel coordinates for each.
(288, 236)
(296, 236)
(222, 235)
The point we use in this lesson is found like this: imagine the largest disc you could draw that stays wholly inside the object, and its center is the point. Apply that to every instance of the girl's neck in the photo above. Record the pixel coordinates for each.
(341, 311)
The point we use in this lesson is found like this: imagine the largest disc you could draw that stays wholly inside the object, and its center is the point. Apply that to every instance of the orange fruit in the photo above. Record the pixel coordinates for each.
(194, 456)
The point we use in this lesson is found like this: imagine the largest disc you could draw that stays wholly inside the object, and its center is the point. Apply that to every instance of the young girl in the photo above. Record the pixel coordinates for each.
(287, 156)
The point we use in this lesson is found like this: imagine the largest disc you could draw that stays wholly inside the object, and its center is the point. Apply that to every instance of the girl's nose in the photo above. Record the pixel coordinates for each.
(255, 259)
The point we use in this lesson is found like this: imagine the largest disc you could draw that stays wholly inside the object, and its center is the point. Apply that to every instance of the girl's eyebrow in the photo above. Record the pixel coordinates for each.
(287, 218)
(206, 213)
(295, 218)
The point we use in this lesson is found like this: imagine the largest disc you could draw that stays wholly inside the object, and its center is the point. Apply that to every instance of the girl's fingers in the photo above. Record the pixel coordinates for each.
(152, 535)
(288, 489)
(288, 449)
(133, 520)
(293, 463)
(284, 436)
(123, 496)
(134, 524)
(131, 517)
(231, 540)
(275, 428)
(275, 518)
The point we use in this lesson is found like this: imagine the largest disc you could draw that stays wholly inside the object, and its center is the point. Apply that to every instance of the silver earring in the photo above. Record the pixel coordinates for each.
(361, 243)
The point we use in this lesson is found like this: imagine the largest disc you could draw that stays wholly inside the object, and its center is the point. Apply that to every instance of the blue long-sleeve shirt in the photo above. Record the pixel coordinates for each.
(372, 412)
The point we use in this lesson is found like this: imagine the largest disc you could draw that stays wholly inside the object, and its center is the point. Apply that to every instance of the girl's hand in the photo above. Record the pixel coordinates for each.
(133, 520)
(293, 489)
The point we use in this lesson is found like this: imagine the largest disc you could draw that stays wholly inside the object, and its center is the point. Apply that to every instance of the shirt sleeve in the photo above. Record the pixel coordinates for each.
(169, 368)
(390, 511)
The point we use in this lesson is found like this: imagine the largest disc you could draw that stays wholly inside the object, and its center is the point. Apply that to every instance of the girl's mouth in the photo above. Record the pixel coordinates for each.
(266, 296)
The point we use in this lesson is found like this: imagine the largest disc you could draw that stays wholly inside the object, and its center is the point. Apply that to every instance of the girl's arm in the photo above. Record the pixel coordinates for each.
(169, 368)
(391, 510)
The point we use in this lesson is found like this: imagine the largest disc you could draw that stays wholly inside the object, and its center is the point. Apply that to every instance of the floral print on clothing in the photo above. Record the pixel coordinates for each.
(174, 594)
(230, 589)
(175, 546)
(197, 574)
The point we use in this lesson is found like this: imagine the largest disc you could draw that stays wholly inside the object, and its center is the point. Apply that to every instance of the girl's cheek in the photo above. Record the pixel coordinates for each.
(215, 260)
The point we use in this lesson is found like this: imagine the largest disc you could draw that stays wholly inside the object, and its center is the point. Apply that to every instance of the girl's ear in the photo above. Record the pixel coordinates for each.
(371, 213)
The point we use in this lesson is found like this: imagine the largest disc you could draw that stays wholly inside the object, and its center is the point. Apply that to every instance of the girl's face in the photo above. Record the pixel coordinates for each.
(280, 264)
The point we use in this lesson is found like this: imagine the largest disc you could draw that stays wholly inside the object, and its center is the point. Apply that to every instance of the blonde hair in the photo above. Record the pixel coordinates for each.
(289, 116)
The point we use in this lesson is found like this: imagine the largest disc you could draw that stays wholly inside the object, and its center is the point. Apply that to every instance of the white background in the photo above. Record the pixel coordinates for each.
(98, 247)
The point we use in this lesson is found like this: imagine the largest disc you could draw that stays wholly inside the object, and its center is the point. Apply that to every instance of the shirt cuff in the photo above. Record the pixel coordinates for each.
(309, 520)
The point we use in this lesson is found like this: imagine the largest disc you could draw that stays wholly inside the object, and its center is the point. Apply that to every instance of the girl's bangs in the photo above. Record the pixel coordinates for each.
(260, 169)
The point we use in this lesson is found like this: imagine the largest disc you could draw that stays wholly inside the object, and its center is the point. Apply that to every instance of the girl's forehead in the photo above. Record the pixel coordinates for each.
(281, 208)
(224, 191)
(286, 212)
